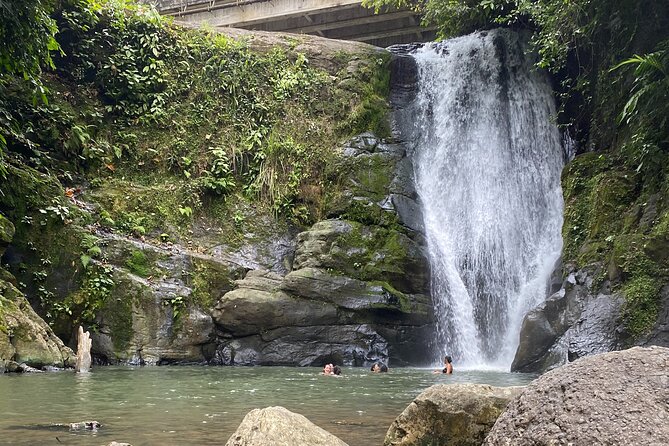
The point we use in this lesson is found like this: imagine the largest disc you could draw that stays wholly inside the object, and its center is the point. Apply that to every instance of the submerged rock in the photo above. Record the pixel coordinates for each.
(86, 425)
(15, 367)
(277, 426)
(457, 414)
(611, 398)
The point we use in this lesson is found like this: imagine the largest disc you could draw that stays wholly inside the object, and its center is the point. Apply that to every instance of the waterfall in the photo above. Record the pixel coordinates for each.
(487, 160)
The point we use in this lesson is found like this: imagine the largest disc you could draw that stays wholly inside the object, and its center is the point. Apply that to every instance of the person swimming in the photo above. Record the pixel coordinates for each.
(448, 366)
(331, 370)
(379, 367)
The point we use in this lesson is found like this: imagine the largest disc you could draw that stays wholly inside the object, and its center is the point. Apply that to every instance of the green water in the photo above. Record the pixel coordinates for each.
(204, 405)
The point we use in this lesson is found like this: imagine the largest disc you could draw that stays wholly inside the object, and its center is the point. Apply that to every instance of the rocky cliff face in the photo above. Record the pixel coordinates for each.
(356, 293)
(342, 291)
(162, 272)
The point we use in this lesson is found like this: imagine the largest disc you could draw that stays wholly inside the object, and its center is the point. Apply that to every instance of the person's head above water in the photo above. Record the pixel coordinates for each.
(379, 367)
(327, 369)
(336, 370)
(447, 359)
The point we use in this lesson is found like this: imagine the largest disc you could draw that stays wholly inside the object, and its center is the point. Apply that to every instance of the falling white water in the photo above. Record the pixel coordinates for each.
(488, 160)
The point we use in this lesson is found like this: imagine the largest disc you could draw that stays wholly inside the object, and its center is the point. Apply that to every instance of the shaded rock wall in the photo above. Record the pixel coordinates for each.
(24, 337)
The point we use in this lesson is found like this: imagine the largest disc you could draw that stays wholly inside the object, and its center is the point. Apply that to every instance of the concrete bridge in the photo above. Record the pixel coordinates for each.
(335, 19)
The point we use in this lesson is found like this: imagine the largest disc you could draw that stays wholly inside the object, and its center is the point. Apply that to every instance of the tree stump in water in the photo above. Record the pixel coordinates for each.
(83, 351)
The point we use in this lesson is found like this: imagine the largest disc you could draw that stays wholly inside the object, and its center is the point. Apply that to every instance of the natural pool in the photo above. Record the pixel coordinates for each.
(197, 405)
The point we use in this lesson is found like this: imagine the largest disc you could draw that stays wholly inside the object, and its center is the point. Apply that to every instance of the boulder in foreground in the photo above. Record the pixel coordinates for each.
(612, 398)
(277, 426)
(457, 414)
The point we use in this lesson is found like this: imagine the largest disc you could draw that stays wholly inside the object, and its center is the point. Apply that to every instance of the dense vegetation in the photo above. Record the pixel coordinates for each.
(610, 62)
(114, 119)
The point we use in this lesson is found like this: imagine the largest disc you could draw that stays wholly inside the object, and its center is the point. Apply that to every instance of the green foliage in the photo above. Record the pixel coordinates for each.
(90, 250)
(646, 114)
(138, 264)
(177, 304)
(640, 312)
(27, 34)
(83, 306)
(134, 94)
(371, 112)
(651, 73)
(219, 177)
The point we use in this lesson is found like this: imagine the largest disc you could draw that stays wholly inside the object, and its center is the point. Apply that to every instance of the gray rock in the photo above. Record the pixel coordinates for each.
(457, 414)
(342, 291)
(607, 399)
(404, 182)
(315, 345)
(409, 212)
(311, 317)
(570, 324)
(403, 76)
(368, 253)
(149, 322)
(246, 311)
(15, 367)
(84, 425)
(277, 426)
(26, 341)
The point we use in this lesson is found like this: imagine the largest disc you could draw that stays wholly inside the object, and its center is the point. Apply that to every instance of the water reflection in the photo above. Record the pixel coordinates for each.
(204, 405)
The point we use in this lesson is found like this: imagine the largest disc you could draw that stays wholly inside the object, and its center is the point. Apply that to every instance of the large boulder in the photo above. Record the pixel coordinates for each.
(277, 426)
(258, 305)
(311, 317)
(612, 398)
(457, 414)
(25, 339)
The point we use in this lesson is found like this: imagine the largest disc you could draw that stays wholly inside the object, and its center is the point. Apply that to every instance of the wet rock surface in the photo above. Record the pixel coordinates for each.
(27, 342)
(457, 414)
(572, 323)
(612, 398)
(279, 426)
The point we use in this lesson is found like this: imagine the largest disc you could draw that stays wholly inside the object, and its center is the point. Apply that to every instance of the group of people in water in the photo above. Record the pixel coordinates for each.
(379, 367)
